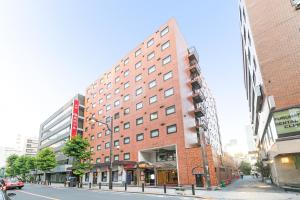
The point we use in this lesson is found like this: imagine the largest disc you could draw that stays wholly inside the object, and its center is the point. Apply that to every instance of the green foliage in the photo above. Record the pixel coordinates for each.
(264, 170)
(21, 166)
(45, 159)
(245, 167)
(10, 165)
(79, 149)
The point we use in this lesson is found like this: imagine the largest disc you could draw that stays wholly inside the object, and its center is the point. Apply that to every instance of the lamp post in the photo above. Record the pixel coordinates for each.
(109, 128)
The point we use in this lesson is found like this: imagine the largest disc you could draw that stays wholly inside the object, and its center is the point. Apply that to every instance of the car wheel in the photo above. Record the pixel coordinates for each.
(20, 188)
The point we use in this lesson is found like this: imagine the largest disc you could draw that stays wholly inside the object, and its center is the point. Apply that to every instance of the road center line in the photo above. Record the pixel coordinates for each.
(38, 195)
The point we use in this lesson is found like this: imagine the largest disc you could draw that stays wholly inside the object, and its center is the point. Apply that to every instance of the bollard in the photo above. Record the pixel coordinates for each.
(165, 188)
(100, 185)
(193, 189)
(125, 186)
(90, 185)
(143, 187)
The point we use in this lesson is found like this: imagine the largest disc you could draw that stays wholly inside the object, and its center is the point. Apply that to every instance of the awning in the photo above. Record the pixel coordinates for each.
(167, 165)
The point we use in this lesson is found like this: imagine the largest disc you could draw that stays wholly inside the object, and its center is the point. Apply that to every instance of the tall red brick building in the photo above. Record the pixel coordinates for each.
(271, 54)
(162, 111)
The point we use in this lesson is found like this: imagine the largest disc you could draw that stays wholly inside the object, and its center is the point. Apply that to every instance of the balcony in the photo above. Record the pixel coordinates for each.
(199, 110)
(198, 96)
(194, 70)
(196, 83)
(193, 55)
(202, 123)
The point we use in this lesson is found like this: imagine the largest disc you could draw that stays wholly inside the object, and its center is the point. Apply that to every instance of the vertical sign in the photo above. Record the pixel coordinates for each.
(75, 114)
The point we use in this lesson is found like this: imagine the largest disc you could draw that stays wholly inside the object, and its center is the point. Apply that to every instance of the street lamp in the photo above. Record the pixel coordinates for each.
(109, 128)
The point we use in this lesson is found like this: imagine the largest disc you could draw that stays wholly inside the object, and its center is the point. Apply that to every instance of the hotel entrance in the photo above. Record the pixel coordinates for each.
(158, 166)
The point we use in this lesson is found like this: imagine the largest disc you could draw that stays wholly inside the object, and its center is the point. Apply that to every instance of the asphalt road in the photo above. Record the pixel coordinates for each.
(38, 192)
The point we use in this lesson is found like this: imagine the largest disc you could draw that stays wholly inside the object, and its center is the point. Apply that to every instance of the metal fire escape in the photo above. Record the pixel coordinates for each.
(200, 110)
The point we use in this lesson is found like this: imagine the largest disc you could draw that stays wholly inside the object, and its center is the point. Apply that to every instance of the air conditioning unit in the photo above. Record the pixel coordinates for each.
(297, 5)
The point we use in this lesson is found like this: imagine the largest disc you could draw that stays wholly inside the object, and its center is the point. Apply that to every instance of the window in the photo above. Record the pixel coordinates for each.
(100, 101)
(150, 42)
(139, 91)
(117, 79)
(126, 156)
(126, 85)
(153, 116)
(107, 132)
(108, 96)
(108, 107)
(116, 158)
(169, 155)
(126, 61)
(172, 129)
(92, 137)
(98, 160)
(153, 99)
(140, 137)
(100, 112)
(117, 115)
(104, 174)
(127, 125)
(117, 68)
(101, 90)
(138, 77)
(154, 133)
(101, 80)
(108, 85)
(127, 140)
(106, 159)
(139, 105)
(93, 105)
(151, 69)
(98, 147)
(116, 143)
(117, 90)
(165, 45)
(126, 97)
(139, 121)
(164, 31)
(99, 134)
(115, 175)
(170, 110)
(126, 73)
(152, 84)
(168, 75)
(109, 74)
(116, 129)
(137, 52)
(166, 60)
(150, 55)
(117, 103)
(169, 92)
(138, 65)
(107, 145)
(126, 111)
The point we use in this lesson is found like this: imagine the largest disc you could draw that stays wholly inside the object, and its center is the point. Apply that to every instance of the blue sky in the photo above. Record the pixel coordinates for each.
(50, 50)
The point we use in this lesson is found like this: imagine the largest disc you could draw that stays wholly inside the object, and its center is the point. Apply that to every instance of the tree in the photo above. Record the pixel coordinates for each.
(245, 167)
(263, 170)
(21, 167)
(10, 165)
(79, 149)
(45, 160)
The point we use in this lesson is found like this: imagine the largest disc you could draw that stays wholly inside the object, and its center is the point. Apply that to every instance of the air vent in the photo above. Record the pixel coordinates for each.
(162, 106)
(146, 129)
(159, 74)
(162, 124)
(158, 59)
(160, 89)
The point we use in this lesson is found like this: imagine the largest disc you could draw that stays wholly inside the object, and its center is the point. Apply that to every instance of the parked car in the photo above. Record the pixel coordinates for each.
(13, 183)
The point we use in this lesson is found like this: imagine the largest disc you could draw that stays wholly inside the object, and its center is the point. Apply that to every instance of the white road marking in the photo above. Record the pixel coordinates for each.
(38, 195)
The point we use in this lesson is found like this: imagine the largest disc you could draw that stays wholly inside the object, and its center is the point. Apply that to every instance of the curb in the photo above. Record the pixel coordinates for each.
(133, 192)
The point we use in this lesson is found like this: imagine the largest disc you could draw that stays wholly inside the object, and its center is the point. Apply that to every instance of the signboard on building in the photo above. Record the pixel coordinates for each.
(75, 114)
(287, 122)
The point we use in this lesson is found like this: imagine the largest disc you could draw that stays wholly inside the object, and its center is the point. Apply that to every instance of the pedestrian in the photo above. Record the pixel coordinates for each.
(242, 175)
(256, 174)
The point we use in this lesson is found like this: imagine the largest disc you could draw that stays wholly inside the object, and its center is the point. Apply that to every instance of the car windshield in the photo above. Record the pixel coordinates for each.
(13, 180)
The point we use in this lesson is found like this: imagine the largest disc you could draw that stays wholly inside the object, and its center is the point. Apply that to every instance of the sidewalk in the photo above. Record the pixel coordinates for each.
(201, 194)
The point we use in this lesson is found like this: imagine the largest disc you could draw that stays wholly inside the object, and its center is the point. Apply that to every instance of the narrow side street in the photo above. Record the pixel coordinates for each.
(250, 184)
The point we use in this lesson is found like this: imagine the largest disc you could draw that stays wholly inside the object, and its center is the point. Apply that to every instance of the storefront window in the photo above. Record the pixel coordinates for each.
(166, 156)
(115, 176)
(104, 176)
